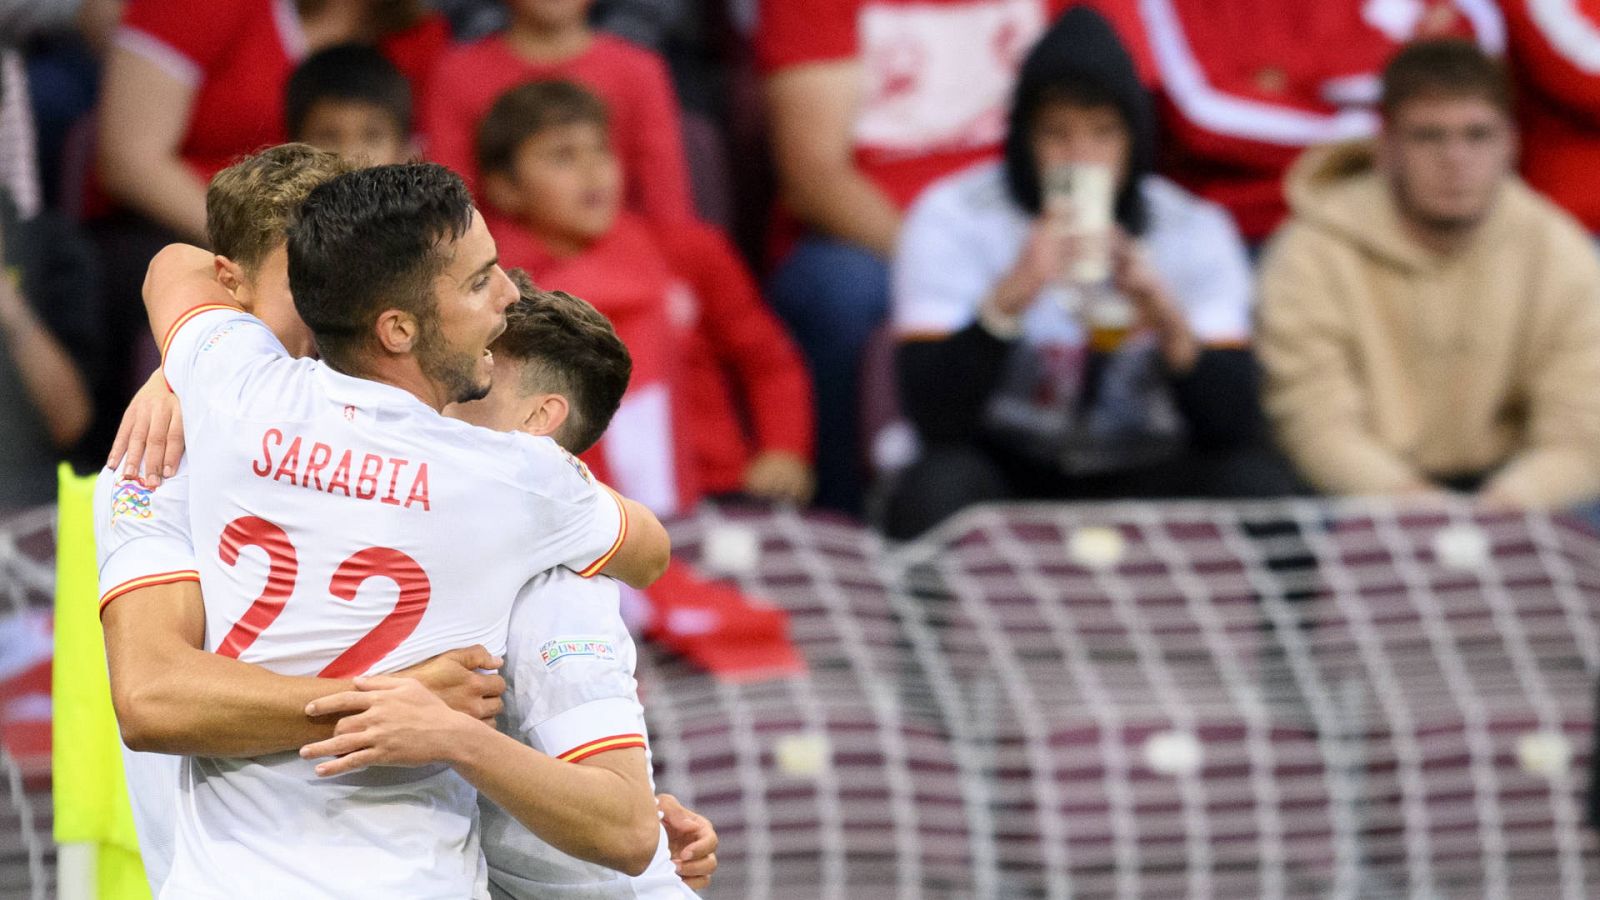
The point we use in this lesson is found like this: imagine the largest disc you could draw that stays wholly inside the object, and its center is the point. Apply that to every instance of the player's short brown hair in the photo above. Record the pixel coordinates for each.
(526, 110)
(251, 204)
(1444, 67)
(566, 347)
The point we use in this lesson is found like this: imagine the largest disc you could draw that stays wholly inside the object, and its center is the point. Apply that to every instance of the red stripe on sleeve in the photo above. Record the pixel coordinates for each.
(602, 745)
(144, 581)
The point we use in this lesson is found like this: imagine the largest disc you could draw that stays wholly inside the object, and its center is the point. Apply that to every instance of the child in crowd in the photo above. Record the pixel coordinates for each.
(352, 101)
(679, 297)
(550, 39)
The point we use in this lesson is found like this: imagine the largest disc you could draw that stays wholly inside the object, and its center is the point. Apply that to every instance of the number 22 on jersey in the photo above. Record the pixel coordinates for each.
(284, 570)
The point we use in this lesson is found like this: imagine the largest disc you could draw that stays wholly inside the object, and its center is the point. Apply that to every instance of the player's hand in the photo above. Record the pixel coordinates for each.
(781, 476)
(387, 721)
(150, 438)
(465, 680)
(691, 840)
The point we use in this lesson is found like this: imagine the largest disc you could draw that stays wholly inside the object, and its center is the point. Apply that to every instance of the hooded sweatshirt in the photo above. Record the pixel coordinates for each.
(1081, 52)
(1389, 366)
(1031, 395)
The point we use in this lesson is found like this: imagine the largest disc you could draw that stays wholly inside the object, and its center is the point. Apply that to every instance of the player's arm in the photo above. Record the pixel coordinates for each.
(598, 808)
(181, 277)
(644, 551)
(692, 841)
(172, 696)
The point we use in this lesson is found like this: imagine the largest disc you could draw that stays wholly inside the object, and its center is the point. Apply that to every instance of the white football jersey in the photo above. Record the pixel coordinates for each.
(141, 540)
(343, 527)
(570, 693)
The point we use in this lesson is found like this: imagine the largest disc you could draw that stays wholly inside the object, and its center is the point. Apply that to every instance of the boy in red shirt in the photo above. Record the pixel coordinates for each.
(352, 101)
(550, 39)
(679, 298)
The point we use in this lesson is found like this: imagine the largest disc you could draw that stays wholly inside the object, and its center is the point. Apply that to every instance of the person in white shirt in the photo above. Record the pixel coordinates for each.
(997, 371)
(168, 691)
(357, 530)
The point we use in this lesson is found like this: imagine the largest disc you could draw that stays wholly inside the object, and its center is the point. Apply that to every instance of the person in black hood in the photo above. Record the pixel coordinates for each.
(1081, 63)
(996, 371)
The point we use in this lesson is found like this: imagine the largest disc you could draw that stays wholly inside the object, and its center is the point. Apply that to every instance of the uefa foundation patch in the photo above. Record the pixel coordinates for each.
(131, 501)
(553, 652)
(579, 466)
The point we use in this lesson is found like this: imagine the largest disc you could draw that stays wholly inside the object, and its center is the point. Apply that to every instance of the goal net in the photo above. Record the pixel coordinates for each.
(27, 856)
(1294, 699)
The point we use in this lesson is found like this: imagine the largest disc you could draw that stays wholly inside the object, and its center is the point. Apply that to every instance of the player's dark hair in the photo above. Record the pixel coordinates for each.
(348, 73)
(369, 241)
(525, 111)
(250, 204)
(566, 347)
(1444, 67)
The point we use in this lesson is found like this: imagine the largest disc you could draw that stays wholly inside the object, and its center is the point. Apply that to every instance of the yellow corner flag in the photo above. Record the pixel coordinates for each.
(91, 795)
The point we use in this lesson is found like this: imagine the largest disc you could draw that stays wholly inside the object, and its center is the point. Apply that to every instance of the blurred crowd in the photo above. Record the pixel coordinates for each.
(891, 258)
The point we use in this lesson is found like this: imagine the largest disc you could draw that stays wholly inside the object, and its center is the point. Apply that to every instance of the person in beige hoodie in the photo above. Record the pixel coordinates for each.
(1427, 322)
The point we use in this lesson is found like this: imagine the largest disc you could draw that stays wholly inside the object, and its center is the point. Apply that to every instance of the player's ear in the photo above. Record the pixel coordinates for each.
(397, 331)
(502, 193)
(229, 274)
(549, 413)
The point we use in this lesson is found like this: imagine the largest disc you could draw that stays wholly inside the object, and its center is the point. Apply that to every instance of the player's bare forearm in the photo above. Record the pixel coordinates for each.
(173, 696)
(180, 277)
(600, 809)
(646, 550)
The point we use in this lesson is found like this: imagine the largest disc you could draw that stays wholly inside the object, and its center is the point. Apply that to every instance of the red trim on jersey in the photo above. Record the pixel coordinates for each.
(602, 745)
(144, 581)
(594, 568)
(172, 331)
(166, 340)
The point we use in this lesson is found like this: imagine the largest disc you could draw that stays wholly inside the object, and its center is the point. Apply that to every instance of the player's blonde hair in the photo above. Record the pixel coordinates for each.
(251, 204)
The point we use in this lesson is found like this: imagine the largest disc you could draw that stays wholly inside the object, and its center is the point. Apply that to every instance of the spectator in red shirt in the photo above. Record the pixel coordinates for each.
(352, 101)
(1247, 85)
(551, 39)
(870, 101)
(703, 344)
(189, 87)
(1555, 57)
